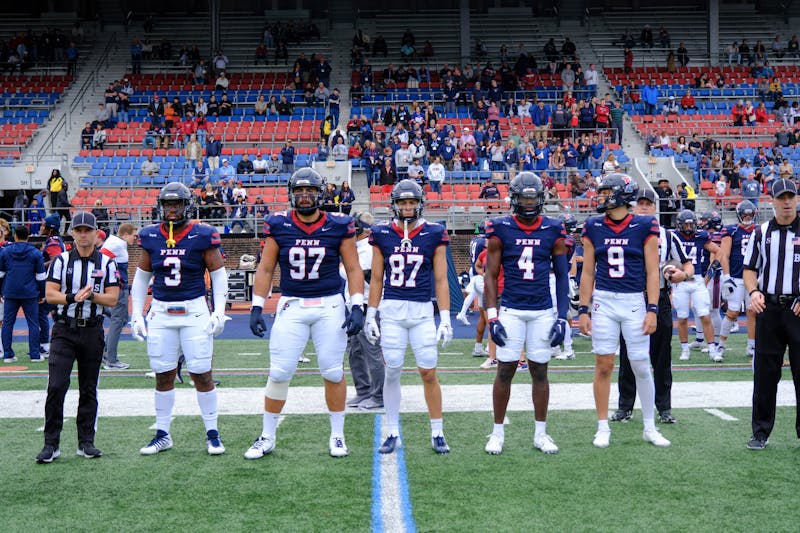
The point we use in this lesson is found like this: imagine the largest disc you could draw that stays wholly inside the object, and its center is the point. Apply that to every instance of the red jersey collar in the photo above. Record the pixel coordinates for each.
(617, 227)
(528, 227)
(309, 228)
(176, 236)
(411, 234)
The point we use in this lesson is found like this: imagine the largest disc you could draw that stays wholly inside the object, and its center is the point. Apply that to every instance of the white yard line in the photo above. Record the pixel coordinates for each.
(721, 414)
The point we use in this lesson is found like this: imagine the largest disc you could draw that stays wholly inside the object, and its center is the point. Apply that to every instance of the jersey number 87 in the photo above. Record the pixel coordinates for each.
(397, 274)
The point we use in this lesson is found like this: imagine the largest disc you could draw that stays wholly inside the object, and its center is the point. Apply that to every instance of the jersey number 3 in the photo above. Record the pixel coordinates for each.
(173, 279)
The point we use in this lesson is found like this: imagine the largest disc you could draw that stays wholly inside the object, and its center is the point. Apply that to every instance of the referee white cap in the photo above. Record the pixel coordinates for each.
(782, 186)
(84, 219)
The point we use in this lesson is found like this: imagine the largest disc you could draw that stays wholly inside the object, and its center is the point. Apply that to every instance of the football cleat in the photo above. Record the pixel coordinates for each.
(751, 352)
(489, 364)
(88, 450)
(213, 442)
(303, 359)
(338, 448)
(495, 445)
(715, 354)
(602, 438)
(621, 415)
(697, 345)
(162, 441)
(482, 352)
(390, 445)
(556, 353)
(685, 354)
(522, 366)
(567, 354)
(654, 437)
(261, 447)
(440, 445)
(545, 443)
(735, 327)
(48, 454)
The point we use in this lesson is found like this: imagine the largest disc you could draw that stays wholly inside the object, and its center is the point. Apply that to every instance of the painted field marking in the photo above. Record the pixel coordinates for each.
(41, 429)
(721, 414)
(391, 505)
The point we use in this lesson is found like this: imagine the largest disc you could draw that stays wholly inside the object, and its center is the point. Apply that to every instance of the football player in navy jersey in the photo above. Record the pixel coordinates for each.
(308, 244)
(476, 245)
(526, 244)
(570, 225)
(692, 294)
(176, 254)
(409, 263)
(711, 221)
(734, 243)
(620, 261)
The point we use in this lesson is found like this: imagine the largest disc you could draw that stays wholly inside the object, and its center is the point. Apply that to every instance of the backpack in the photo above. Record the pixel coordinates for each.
(326, 128)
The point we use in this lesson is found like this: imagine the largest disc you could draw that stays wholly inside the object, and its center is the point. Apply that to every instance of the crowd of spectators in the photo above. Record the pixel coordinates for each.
(52, 46)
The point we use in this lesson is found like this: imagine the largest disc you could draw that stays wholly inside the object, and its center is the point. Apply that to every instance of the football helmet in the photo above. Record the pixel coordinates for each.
(306, 177)
(687, 223)
(746, 208)
(525, 186)
(172, 192)
(570, 222)
(702, 220)
(714, 221)
(404, 190)
(363, 222)
(623, 192)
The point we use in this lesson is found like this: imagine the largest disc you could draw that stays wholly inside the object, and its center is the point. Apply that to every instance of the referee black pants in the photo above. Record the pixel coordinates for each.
(776, 328)
(660, 358)
(84, 345)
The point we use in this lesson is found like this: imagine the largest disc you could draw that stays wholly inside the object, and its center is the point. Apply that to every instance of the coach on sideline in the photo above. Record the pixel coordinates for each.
(772, 279)
(78, 283)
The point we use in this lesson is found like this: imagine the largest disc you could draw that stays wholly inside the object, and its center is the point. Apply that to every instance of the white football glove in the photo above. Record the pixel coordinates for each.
(216, 324)
(139, 329)
(445, 331)
(371, 330)
(462, 317)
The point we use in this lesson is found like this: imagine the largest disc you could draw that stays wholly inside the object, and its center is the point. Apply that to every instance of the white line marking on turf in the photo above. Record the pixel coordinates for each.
(721, 414)
(249, 353)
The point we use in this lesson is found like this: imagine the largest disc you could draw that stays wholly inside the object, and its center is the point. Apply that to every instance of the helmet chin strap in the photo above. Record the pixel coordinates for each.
(405, 244)
(171, 240)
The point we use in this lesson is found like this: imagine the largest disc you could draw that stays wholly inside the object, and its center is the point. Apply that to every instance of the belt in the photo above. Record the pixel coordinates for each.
(781, 299)
(73, 323)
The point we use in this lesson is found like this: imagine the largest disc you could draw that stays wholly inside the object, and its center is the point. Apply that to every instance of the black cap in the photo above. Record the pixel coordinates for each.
(83, 219)
(782, 186)
(646, 194)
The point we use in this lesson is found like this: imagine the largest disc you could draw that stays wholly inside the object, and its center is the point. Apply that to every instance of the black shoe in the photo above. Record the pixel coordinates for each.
(47, 454)
(757, 443)
(666, 417)
(621, 415)
(87, 449)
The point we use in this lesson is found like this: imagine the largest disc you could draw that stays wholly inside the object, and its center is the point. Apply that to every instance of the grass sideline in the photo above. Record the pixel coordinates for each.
(707, 481)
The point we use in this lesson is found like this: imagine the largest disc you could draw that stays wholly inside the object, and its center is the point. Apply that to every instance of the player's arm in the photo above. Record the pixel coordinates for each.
(355, 276)
(586, 287)
(494, 256)
(265, 271)
(140, 284)
(376, 280)
(561, 271)
(653, 284)
(724, 254)
(440, 278)
(712, 248)
(219, 279)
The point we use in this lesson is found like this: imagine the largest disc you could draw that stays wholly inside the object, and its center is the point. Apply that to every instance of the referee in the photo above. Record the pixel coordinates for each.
(79, 283)
(772, 278)
(669, 249)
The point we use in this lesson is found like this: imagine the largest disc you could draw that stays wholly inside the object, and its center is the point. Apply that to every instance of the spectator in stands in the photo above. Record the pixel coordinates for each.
(751, 189)
(749, 113)
(489, 190)
(775, 90)
(793, 47)
(770, 172)
(213, 152)
(284, 107)
(225, 106)
(220, 62)
(688, 101)
(212, 106)
(99, 138)
(628, 60)
(339, 150)
(163, 135)
(149, 167)
(738, 114)
(732, 53)
(646, 37)
(101, 116)
(63, 204)
(388, 175)
(670, 108)
(199, 174)
(87, 133)
(101, 214)
(245, 166)
(744, 53)
(287, 157)
(193, 152)
(136, 56)
(682, 54)
(226, 170)
(671, 67)
(321, 95)
(259, 164)
(330, 198)
(650, 95)
(782, 136)
(274, 165)
(666, 202)
(354, 152)
(761, 114)
(786, 170)
(260, 107)
(260, 55)
(239, 214)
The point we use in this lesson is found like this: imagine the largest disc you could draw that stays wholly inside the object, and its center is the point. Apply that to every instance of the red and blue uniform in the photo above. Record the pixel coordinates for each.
(741, 236)
(695, 249)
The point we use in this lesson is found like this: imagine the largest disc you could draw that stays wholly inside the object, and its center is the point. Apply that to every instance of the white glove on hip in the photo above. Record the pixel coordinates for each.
(216, 324)
(139, 329)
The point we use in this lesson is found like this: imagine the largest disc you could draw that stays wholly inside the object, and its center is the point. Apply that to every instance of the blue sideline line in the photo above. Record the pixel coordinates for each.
(405, 500)
(377, 518)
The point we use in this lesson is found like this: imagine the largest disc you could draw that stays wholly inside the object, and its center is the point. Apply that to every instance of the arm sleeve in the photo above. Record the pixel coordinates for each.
(561, 270)
(219, 289)
(141, 281)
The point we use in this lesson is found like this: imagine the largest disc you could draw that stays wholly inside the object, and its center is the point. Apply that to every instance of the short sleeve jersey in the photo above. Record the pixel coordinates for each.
(527, 254)
(694, 246)
(476, 246)
(179, 271)
(619, 251)
(408, 267)
(309, 253)
(741, 236)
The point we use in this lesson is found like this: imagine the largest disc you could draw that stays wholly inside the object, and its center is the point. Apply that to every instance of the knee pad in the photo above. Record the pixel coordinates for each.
(280, 375)
(334, 374)
(641, 368)
(392, 373)
(276, 390)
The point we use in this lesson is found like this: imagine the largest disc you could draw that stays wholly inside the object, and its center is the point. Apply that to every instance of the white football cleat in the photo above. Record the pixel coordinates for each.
(162, 441)
(602, 438)
(303, 359)
(716, 354)
(654, 437)
(495, 445)
(735, 327)
(214, 443)
(338, 448)
(545, 444)
(489, 363)
(567, 354)
(697, 345)
(684, 355)
(751, 352)
(261, 447)
(555, 352)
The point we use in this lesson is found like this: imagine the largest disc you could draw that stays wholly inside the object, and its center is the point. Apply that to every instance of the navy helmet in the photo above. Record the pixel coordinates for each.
(744, 209)
(176, 192)
(714, 221)
(525, 186)
(405, 190)
(306, 177)
(570, 222)
(623, 192)
(687, 222)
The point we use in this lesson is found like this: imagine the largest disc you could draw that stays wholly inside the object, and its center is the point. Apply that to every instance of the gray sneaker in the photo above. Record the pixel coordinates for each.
(370, 404)
(116, 365)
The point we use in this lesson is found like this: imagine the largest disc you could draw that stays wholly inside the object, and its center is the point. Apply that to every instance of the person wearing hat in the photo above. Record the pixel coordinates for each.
(259, 164)
(671, 108)
(79, 283)
(774, 290)
(226, 170)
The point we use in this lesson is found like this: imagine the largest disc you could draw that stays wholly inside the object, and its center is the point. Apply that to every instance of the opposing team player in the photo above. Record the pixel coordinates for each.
(734, 243)
(620, 261)
(711, 221)
(692, 294)
(176, 254)
(409, 264)
(526, 244)
(308, 244)
(570, 225)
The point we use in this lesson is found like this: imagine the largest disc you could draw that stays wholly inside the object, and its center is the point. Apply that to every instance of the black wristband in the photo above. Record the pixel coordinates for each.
(652, 308)
(754, 290)
(70, 298)
(583, 310)
(91, 296)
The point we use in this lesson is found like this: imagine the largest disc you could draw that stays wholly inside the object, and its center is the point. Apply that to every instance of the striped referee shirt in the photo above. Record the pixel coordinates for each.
(774, 254)
(73, 272)
(669, 248)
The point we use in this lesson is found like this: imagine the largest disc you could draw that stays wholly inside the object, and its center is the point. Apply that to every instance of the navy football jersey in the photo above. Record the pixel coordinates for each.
(408, 270)
(741, 236)
(476, 246)
(716, 238)
(527, 259)
(179, 272)
(309, 253)
(619, 251)
(569, 240)
(694, 247)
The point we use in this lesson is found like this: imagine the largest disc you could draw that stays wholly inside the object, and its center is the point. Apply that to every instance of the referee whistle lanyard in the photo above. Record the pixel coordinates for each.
(405, 244)
(170, 240)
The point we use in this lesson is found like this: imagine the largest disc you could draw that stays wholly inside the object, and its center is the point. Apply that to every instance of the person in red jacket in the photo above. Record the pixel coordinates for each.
(687, 101)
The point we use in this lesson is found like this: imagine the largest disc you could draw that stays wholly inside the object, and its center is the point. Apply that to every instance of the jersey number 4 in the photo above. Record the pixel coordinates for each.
(397, 269)
(525, 262)
(298, 261)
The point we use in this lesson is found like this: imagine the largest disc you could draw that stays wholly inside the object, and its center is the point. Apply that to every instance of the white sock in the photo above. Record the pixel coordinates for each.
(684, 346)
(568, 338)
(725, 330)
(602, 425)
(269, 424)
(751, 343)
(499, 431)
(698, 328)
(208, 408)
(391, 399)
(436, 427)
(541, 428)
(337, 423)
(478, 346)
(164, 402)
(646, 390)
(716, 321)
